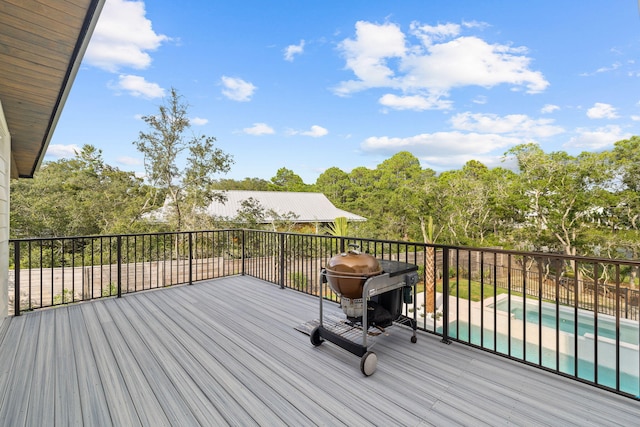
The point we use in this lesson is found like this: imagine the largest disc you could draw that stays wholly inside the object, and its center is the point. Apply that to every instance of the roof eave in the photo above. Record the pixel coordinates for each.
(91, 19)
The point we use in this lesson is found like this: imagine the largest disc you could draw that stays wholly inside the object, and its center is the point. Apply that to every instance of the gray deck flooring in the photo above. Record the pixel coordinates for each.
(225, 352)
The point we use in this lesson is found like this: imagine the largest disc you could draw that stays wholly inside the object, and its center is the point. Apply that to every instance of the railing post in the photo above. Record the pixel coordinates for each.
(244, 243)
(119, 264)
(626, 303)
(281, 260)
(190, 258)
(445, 296)
(16, 278)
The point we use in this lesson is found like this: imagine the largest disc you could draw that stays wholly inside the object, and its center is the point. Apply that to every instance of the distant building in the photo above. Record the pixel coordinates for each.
(301, 208)
(306, 207)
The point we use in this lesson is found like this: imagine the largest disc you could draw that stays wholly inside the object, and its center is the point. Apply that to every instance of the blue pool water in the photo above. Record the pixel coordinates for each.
(564, 363)
(606, 327)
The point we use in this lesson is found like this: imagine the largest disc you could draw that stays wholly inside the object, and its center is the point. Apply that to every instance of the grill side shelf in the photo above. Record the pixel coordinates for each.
(382, 283)
(396, 268)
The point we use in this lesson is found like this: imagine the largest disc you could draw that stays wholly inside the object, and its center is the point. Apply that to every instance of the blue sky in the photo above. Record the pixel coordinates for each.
(308, 85)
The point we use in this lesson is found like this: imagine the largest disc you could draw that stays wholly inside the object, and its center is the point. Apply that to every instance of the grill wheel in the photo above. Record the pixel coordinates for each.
(315, 336)
(369, 363)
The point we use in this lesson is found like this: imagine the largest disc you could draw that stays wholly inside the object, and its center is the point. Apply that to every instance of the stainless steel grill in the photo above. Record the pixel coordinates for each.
(383, 295)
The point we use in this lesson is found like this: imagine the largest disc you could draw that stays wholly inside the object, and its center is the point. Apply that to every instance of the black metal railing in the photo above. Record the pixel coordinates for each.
(575, 316)
(54, 271)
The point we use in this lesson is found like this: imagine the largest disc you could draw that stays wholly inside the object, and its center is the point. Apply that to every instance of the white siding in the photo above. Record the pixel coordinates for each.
(5, 173)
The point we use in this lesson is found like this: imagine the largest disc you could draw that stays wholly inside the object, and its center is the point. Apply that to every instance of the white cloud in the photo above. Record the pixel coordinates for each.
(612, 67)
(315, 132)
(237, 89)
(123, 37)
(129, 161)
(292, 50)
(549, 108)
(596, 139)
(451, 162)
(428, 34)
(259, 129)
(60, 151)
(198, 121)
(139, 87)
(367, 56)
(519, 125)
(442, 144)
(480, 100)
(382, 56)
(475, 24)
(602, 111)
(414, 102)
(470, 61)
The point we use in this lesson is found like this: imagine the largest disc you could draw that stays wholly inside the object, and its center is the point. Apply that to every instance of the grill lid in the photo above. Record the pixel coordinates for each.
(348, 271)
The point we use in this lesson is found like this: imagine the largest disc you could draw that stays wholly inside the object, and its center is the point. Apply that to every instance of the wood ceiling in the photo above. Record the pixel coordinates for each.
(41, 45)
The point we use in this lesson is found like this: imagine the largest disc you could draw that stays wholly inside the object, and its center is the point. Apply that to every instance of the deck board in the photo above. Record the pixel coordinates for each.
(93, 401)
(42, 392)
(119, 401)
(18, 388)
(276, 363)
(122, 342)
(68, 407)
(164, 373)
(183, 371)
(245, 364)
(223, 360)
(226, 352)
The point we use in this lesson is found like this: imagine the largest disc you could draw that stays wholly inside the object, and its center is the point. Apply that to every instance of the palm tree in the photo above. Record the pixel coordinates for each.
(339, 227)
(430, 268)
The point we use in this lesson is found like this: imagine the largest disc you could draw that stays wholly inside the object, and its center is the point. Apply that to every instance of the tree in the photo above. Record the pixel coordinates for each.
(78, 197)
(333, 183)
(430, 267)
(361, 181)
(561, 195)
(287, 180)
(391, 196)
(248, 184)
(398, 191)
(625, 207)
(190, 188)
(251, 214)
(473, 203)
(254, 216)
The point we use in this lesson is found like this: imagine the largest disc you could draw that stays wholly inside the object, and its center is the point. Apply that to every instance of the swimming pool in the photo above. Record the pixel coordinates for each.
(606, 324)
(586, 371)
(553, 349)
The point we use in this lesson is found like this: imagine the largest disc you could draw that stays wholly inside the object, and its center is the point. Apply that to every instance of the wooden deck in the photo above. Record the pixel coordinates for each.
(225, 352)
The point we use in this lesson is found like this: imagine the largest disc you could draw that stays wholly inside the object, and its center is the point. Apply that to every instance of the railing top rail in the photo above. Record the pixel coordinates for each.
(559, 256)
(103, 236)
(547, 255)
